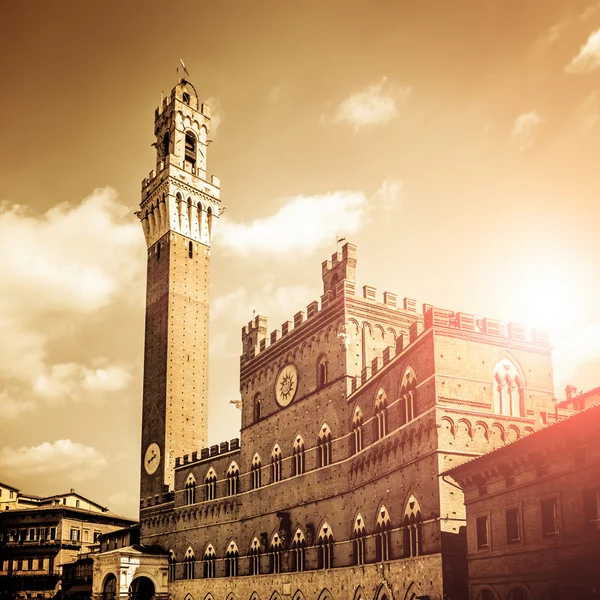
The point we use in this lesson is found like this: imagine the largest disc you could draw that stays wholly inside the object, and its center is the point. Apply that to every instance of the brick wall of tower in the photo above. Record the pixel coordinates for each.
(176, 354)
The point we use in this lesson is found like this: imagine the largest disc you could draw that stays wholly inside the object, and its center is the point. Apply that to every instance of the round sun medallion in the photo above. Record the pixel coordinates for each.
(286, 385)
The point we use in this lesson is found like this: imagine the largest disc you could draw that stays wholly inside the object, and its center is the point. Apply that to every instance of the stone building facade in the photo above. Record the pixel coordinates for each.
(351, 411)
(533, 514)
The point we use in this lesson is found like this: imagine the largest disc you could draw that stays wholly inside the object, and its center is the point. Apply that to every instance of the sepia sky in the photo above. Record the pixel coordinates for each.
(456, 143)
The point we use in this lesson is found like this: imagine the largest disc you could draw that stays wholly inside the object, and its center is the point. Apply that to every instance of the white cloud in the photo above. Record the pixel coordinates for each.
(376, 105)
(69, 262)
(524, 129)
(389, 194)
(62, 458)
(588, 58)
(216, 115)
(70, 380)
(301, 225)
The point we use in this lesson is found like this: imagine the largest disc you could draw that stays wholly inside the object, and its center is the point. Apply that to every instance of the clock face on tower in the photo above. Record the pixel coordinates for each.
(286, 385)
(152, 458)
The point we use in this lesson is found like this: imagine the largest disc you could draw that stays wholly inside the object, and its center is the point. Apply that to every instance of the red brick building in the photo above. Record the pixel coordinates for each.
(533, 514)
(350, 412)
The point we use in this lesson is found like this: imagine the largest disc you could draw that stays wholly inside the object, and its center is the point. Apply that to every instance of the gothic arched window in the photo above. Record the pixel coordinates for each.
(408, 396)
(359, 535)
(357, 425)
(325, 546)
(298, 456)
(189, 563)
(231, 560)
(255, 551)
(166, 145)
(190, 489)
(508, 390)
(190, 149)
(381, 413)
(275, 464)
(382, 529)
(210, 561)
(275, 549)
(412, 528)
(233, 479)
(256, 472)
(324, 446)
(210, 484)
(172, 566)
(257, 409)
(298, 551)
(322, 371)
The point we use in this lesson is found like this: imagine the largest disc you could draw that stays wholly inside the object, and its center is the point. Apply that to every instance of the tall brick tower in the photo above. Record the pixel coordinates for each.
(178, 213)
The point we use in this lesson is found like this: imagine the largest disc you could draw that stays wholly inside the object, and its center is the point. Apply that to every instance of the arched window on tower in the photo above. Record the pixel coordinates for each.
(412, 525)
(210, 484)
(172, 566)
(190, 151)
(298, 551)
(324, 446)
(408, 393)
(257, 409)
(255, 552)
(382, 530)
(276, 464)
(190, 489)
(275, 549)
(298, 456)
(209, 221)
(325, 546)
(508, 390)
(210, 561)
(322, 374)
(232, 556)
(189, 563)
(233, 479)
(166, 145)
(256, 472)
(357, 426)
(359, 535)
(190, 250)
(381, 413)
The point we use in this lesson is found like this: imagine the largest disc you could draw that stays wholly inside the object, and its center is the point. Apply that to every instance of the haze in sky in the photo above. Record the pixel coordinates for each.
(456, 143)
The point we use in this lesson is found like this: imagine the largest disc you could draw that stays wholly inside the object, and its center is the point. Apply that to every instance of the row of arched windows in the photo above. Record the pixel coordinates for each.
(263, 558)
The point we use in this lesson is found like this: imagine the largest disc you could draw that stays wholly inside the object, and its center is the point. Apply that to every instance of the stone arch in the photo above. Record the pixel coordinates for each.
(143, 587)
(209, 596)
(383, 592)
(275, 596)
(231, 596)
(109, 585)
(254, 596)
(359, 594)
(298, 595)
(412, 591)
(325, 595)
(379, 333)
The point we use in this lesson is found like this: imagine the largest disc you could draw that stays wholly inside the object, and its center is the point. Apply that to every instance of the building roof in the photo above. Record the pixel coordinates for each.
(10, 487)
(547, 433)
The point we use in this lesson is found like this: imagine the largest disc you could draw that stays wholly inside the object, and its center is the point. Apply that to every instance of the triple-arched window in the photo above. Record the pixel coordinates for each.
(381, 413)
(210, 484)
(256, 472)
(232, 556)
(359, 535)
(357, 427)
(275, 549)
(382, 529)
(233, 479)
(276, 464)
(210, 561)
(298, 456)
(408, 392)
(508, 390)
(172, 566)
(325, 546)
(189, 563)
(190, 489)
(324, 446)
(298, 550)
(255, 552)
(412, 525)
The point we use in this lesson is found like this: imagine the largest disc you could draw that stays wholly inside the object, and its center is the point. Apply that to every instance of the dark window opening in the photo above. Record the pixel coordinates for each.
(191, 250)
(190, 148)
(549, 517)
(513, 533)
(165, 146)
(186, 98)
(158, 251)
(482, 533)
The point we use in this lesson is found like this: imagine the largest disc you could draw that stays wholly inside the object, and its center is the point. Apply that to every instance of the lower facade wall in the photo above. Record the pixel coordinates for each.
(404, 579)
